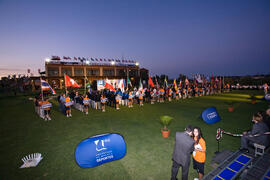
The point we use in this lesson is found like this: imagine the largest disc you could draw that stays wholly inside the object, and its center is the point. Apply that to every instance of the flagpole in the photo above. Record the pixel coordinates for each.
(65, 82)
(84, 84)
(41, 89)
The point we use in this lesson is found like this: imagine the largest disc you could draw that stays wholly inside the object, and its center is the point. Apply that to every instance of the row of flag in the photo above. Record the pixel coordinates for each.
(92, 59)
(197, 79)
(69, 82)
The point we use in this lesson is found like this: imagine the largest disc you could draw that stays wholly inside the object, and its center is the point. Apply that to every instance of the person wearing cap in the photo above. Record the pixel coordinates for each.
(184, 146)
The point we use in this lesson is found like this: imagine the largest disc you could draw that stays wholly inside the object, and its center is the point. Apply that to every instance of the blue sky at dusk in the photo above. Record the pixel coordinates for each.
(220, 37)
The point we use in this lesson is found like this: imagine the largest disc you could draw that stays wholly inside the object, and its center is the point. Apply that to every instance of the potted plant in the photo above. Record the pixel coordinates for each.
(253, 99)
(230, 104)
(165, 121)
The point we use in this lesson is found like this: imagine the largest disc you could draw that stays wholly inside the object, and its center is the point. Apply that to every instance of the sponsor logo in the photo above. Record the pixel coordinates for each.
(211, 115)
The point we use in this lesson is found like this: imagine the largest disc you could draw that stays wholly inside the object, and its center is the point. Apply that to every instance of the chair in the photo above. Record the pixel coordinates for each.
(259, 149)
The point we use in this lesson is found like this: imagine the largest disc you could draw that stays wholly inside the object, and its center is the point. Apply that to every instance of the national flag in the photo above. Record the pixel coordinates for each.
(70, 82)
(87, 83)
(198, 78)
(186, 82)
(157, 83)
(55, 58)
(217, 79)
(175, 85)
(212, 79)
(129, 82)
(121, 84)
(64, 57)
(109, 86)
(75, 58)
(165, 82)
(150, 82)
(46, 87)
(140, 85)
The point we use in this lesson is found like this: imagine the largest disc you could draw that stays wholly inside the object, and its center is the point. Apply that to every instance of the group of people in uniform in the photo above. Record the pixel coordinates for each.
(99, 99)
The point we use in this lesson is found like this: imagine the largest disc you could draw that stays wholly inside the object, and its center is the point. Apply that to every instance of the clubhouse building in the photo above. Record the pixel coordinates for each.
(92, 69)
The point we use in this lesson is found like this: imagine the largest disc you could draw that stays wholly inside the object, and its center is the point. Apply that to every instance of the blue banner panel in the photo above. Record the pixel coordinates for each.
(210, 115)
(100, 149)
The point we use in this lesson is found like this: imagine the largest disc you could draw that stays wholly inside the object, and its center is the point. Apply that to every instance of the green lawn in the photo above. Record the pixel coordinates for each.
(148, 154)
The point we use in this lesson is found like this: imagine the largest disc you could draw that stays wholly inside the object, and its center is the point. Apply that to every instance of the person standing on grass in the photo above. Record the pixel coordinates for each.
(184, 146)
(117, 100)
(86, 103)
(103, 100)
(199, 152)
(130, 99)
(46, 110)
(68, 108)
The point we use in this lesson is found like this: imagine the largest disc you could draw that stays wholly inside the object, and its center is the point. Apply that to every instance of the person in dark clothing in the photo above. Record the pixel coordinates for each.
(258, 129)
(184, 146)
(267, 117)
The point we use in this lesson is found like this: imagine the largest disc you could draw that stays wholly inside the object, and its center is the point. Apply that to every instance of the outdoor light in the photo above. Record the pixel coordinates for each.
(113, 63)
(87, 62)
(137, 64)
(47, 59)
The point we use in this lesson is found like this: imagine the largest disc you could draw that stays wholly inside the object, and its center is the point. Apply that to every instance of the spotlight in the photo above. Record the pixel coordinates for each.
(47, 59)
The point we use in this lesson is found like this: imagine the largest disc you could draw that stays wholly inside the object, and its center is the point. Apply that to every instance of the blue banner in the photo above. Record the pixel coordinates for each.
(69, 103)
(100, 149)
(210, 115)
(44, 106)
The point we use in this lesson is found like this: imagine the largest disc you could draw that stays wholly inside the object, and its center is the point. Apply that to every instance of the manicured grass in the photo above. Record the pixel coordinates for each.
(148, 154)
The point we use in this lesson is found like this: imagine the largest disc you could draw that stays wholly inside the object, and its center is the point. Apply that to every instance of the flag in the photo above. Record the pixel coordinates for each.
(217, 79)
(87, 83)
(175, 85)
(70, 82)
(129, 82)
(198, 78)
(121, 84)
(109, 86)
(75, 58)
(212, 79)
(140, 86)
(157, 83)
(165, 82)
(180, 83)
(150, 82)
(186, 81)
(46, 87)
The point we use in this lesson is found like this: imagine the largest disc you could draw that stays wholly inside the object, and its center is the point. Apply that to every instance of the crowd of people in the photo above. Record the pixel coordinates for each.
(99, 99)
